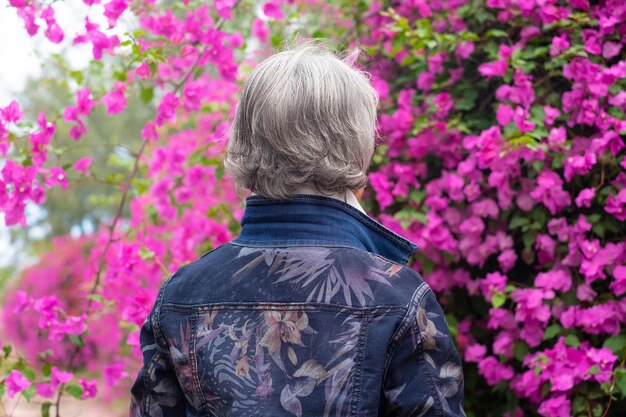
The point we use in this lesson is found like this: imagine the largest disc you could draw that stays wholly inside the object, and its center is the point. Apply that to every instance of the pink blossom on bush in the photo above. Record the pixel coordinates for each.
(15, 383)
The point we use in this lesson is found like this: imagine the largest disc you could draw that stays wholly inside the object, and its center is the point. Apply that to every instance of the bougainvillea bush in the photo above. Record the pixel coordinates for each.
(502, 126)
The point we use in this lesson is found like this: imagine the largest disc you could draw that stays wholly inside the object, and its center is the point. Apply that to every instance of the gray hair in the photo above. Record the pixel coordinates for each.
(305, 118)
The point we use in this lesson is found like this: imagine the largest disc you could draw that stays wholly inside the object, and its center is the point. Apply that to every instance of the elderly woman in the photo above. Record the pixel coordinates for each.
(311, 310)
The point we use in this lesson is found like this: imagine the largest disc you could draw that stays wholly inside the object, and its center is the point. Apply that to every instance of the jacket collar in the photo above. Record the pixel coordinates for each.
(315, 220)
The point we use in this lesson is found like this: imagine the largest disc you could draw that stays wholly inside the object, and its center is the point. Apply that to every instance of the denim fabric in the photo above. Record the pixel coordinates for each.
(311, 311)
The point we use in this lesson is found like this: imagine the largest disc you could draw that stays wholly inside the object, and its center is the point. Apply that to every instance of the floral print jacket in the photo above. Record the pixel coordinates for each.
(311, 311)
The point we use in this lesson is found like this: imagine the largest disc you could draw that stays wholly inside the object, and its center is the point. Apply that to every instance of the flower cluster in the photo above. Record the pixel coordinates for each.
(502, 156)
(513, 127)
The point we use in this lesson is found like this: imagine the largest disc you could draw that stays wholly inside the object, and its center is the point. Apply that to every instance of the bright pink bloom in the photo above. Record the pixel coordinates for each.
(494, 371)
(585, 197)
(560, 44)
(260, 30)
(15, 383)
(272, 9)
(555, 407)
(115, 100)
(113, 373)
(167, 109)
(619, 284)
(493, 69)
(83, 164)
(504, 115)
(90, 388)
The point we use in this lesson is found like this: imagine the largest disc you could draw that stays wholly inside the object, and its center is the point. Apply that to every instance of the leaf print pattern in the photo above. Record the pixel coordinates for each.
(258, 356)
(297, 331)
(425, 355)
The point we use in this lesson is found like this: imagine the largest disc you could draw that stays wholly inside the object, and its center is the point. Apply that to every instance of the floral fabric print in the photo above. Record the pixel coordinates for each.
(297, 331)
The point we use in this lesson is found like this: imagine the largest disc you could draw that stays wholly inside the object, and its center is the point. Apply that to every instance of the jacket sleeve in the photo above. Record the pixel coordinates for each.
(424, 377)
(156, 392)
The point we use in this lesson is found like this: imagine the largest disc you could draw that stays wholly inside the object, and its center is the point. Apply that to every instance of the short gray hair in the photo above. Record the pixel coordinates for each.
(305, 118)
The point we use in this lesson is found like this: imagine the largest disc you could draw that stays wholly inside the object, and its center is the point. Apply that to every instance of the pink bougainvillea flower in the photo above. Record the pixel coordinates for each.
(115, 100)
(560, 44)
(113, 373)
(53, 31)
(167, 109)
(82, 165)
(113, 10)
(260, 30)
(493, 69)
(494, 371)
(504, 115)
(585, 197)
(90, 388)
(45, 390)
(616, 205)
(15, 383)
(619, 284)
(272, 9)
(558, 406)
(224, 8)
(475, 353)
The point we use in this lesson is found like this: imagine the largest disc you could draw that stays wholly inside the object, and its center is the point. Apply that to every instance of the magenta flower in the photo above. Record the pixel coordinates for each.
(272, 9)
(82, 165)
(425, 81)
(619, 284)
(475, 352)
(493, 69)
(494, 371)
(558, 406)
(585, 197)
(260, 30)
(167, 109)
(113, 373)
(90, 388)
(504, 114)
(549, 191)
(15, 383)
(551, 113)
(616, 205)
(559, 45)
(115, 100)
(224, 8)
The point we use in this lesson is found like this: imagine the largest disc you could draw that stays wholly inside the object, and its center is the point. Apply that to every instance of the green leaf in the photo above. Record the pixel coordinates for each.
(620, 380)
(2, 389)
(579, 405)
(45, 409)
(145, 253)
(593, 370)
(496, 33)
(571, 340)
(96, 297)
(616, 343)
(146, 94)
(498, 299)
(76, 340)
(29, 392)
(77, 76)
(518, 221)
(592, 218)
(7, 350)
(46, 370)
(520, 350)
(74, 390)
(552, 331)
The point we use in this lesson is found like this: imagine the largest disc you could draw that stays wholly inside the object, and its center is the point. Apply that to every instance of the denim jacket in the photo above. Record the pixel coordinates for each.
(311, 311)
